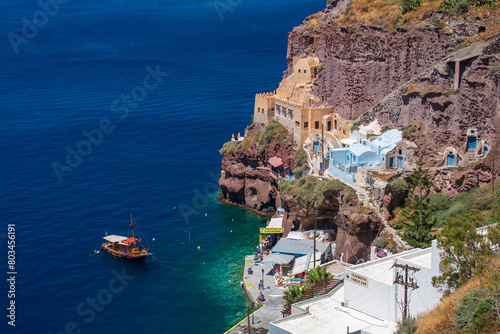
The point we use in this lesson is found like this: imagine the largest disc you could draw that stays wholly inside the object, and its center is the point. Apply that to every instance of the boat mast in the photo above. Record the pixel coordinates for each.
(133, 232)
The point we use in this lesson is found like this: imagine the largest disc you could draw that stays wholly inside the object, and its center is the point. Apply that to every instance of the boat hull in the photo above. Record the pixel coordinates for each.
(124, 255)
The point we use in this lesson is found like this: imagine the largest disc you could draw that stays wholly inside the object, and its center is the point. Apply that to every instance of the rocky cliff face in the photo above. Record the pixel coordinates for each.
(353, 229)
(246, 175)
(363, 62)
(404, 73)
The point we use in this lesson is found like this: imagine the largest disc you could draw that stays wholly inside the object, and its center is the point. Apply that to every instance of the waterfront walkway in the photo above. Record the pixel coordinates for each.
(267, 311)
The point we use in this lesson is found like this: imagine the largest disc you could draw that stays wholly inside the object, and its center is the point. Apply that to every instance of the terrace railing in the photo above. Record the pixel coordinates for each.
(319, 289)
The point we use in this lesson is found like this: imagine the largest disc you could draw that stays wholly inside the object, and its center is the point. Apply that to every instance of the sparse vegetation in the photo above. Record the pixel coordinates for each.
(354, 128)
(380, 242)
(272, 130)
(475, 301)
(225, 148)
(250, 140)
(320, 67)
(410, 5)
(463, 45)
(409, 130)
(384, 128)
(494, 69)
(350, 194)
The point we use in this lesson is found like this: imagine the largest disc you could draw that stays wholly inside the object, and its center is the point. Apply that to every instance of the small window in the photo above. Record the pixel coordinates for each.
(299, 70)
(305, 71)
(306, 125)
(297, 124)
(400, 151)
(316, 125)
(344, 131)
(258, 109)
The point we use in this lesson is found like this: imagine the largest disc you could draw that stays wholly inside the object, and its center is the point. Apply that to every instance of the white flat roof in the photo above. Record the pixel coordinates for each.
(381, 269)
(327, 316)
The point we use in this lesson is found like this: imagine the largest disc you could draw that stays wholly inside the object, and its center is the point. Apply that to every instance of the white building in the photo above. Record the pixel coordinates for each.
(369, 301)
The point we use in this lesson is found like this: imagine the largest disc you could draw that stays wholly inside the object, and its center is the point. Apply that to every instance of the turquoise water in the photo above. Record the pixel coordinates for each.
(70, 79)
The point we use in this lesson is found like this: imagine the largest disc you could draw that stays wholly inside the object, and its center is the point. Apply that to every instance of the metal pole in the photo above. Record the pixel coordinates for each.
(262, 279)
(493, 184)
(322, 147)
(405, 314)
(314, 247)
(248, 318)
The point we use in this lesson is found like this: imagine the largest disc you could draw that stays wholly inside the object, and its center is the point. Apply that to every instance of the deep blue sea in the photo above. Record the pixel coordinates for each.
(116, 106)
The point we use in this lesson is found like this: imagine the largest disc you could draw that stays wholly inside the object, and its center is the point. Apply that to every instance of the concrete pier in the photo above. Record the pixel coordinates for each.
(264, 312)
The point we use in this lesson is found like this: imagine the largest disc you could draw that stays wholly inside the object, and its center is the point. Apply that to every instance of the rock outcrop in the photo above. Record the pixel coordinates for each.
(353, 229)
(246, 177)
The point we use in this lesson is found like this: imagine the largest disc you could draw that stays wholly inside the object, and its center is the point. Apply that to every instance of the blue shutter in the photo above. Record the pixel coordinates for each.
(451, 160)
(471, 143)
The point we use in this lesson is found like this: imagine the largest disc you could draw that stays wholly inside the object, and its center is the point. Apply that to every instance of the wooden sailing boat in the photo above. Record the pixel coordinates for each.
(126, 248)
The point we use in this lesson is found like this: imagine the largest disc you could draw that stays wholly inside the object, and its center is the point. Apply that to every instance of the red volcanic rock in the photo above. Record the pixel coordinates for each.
(246, 178)
(365, 68)
(356, 227)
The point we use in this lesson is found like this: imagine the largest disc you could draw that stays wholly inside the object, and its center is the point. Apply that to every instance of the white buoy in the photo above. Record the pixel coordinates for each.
(153, 239)
(205, 214)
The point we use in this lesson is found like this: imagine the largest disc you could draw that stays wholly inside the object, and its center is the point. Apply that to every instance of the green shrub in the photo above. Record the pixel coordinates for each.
(320, 66)
(407, 326)
(354, 128)
(462, 45)
(298, 172)
(365, 8)
(494, 69)
(409, 5)
(399, 187)
(300, 157)
(285, 186)
(380, 242)
(330, 186)
(348, 7)
(460, 7)
(384, 128)
(225, 148)
(439, 201)
(350, 194)
(409, 130)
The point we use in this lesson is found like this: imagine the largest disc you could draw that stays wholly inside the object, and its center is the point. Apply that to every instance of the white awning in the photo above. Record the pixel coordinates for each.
(114, 238)
(301, 264)
(304, 263)
(278, 258)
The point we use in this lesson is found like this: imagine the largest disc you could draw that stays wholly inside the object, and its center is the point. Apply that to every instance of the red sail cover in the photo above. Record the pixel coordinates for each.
(129, 241)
